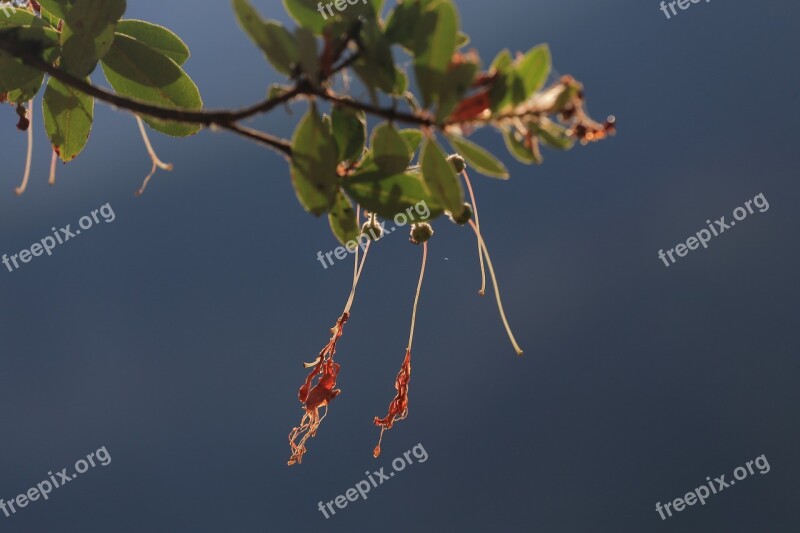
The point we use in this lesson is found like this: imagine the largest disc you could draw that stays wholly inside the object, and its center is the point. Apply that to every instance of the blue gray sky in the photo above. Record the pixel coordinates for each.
(174, 335)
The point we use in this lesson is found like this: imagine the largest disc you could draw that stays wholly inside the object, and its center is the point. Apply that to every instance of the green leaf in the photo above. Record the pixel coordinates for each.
(88, 33)
(21, 17)
(389, 195)
(440, 176)
(314, 15)
(22, 82)
(436, 43)
(459, 81)
(49, 18)
(343, 220)
(522, 153)
(508, 87)
(401, 82)
(137, 71)
(462, 40)
(156, 37)
(533, 69)
(390, 151)
(307, 53)
(68, 116)
(403, 22)
(413, 137)
(314, 162)
(275, 41)
(56, 7)
(553, 135)
(478, 157)
(350, 132)
(375, 65)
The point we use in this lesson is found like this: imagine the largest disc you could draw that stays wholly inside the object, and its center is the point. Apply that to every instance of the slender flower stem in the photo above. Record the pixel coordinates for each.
(53, 165)
(496, 289)
(482, 291)
(416, 297)
(29, 159)
(355, 280)
(157, 163)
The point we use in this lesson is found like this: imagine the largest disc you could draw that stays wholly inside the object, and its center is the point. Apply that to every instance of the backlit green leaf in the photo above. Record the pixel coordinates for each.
(314, 15)
(308, 54)
(19, 81)
(390, 151)
(314, 162)
(156, 37)
(68, 116)
(440, 176)
(478, 157)
(137, 71)
(389, 195)
(434, 48)
(350, 132)
(413, 137)
(533, 69)
(274, 40)
(343, 221)
(88, 33)
(527, 154)
(553, 135)
(375, 65)
(56, 7)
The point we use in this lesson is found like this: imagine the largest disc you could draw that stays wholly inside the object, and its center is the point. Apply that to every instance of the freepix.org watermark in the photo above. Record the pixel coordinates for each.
(701, 493)
(340, 6)
(10, 7)
(376, 478)
(683, 5)
(416, 213)
(60, 236)
(43, 489)
(716, 229)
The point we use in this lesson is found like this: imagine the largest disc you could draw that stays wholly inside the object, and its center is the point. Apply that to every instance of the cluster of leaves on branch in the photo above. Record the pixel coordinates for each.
(337, 167)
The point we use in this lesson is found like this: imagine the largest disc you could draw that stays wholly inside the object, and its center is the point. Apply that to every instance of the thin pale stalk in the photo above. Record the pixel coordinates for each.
(157, 163)
(416, 297)
(24, 185)
(53, 162)
(496, 288)
(355, 281)
(482, 290)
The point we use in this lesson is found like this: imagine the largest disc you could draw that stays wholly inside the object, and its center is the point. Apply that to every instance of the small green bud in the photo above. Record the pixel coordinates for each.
(420, 232)
(458, 163)
(464, 217)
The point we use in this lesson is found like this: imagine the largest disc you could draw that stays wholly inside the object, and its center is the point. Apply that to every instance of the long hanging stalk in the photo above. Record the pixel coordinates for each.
(29, 159)
(482, 290)
(319, 388)
(496, 288)
(398, 408)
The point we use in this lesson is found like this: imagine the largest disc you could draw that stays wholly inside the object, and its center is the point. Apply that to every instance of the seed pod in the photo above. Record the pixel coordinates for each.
(372, 230)
(464, 217)
(458, 163)
(421, 232)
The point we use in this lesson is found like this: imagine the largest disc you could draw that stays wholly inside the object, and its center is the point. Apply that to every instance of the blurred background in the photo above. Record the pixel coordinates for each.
(174, 336)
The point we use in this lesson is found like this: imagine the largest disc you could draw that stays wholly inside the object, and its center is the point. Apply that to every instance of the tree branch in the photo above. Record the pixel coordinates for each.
(228, 119)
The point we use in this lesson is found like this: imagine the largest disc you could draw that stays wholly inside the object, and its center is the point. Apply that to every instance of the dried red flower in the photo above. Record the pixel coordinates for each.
(398, 408)
(318, 390)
